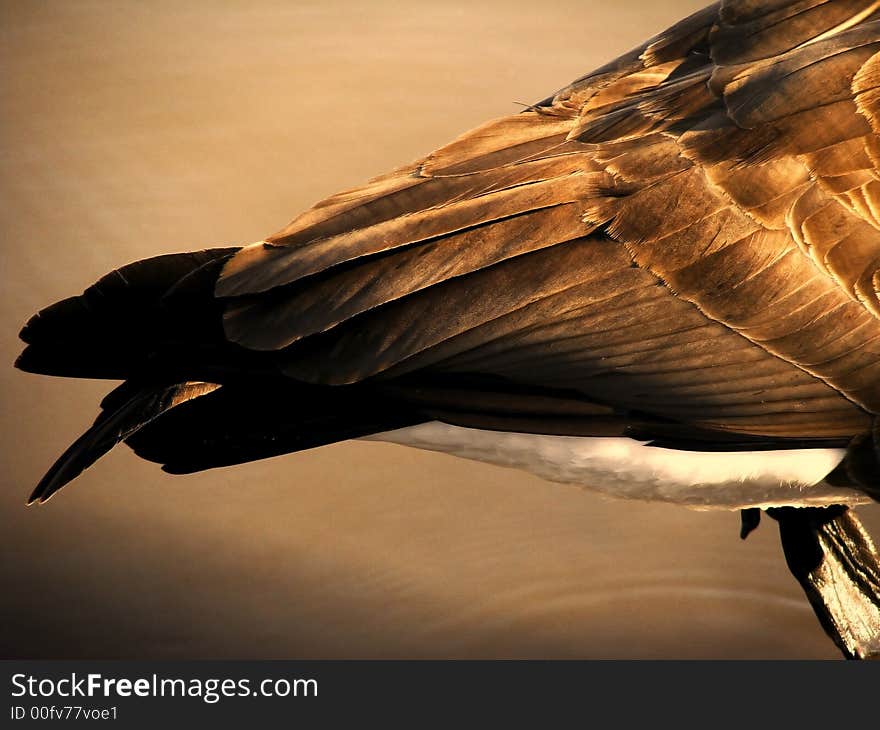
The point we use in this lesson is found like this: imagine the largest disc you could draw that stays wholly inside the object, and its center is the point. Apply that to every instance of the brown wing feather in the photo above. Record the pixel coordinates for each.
(690, 232)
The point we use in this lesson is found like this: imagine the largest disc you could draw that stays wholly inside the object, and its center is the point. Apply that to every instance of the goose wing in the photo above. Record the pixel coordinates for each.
(691, 233)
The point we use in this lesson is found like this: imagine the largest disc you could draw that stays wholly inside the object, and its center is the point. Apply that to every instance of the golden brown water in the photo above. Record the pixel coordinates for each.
(132, 129)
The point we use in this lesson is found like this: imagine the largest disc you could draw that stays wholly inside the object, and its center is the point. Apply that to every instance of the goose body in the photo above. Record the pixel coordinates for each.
(630, 469)
(661, 282)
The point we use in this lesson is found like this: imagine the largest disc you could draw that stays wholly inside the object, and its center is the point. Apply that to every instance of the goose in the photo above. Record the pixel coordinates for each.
(660, 282)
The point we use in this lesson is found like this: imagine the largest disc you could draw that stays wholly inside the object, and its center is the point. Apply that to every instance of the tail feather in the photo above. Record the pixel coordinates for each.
(246, 422)
(116, 325)
(133, 289)
(112, 426)
(190, 400)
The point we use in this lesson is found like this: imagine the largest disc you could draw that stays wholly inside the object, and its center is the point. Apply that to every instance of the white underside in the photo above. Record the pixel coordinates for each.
(622, 467)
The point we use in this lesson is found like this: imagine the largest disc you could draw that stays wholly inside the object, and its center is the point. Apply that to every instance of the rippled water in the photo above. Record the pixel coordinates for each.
(136, 129)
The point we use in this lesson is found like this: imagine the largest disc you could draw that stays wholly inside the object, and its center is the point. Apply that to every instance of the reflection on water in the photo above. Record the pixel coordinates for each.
(139, 129)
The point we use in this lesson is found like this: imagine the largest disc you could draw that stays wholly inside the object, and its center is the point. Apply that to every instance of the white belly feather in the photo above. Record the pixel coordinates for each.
(625, 468)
